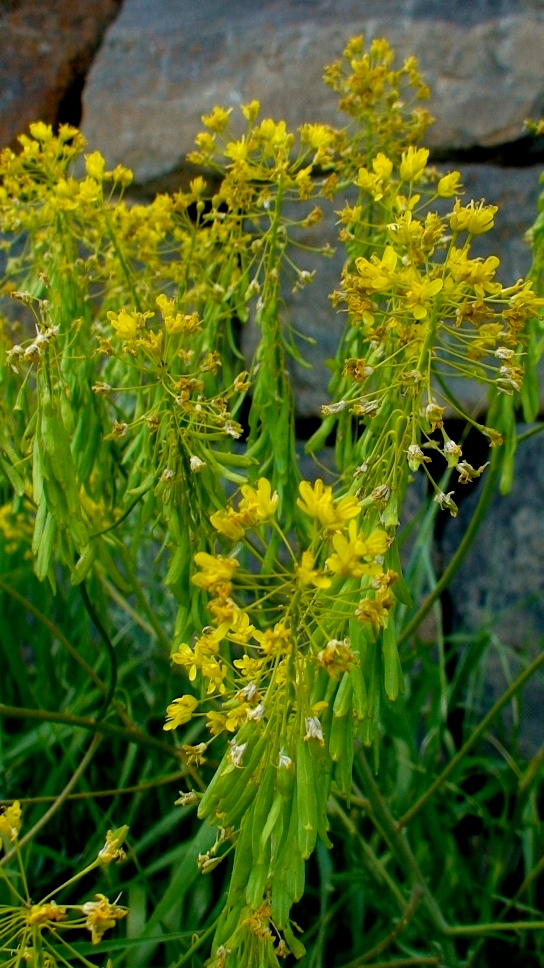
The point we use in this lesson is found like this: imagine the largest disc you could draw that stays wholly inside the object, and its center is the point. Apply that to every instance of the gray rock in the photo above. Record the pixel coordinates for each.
(163, 65)
(502, 579)
(499, 588)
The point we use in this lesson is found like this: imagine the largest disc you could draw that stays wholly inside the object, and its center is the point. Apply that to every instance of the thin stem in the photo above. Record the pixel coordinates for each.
(196, 945)
(107, 729)
(481, 729)
(459, 556)
(96, 740)
(375, 865)
(91, 794)
(401, 848)
(390, 938)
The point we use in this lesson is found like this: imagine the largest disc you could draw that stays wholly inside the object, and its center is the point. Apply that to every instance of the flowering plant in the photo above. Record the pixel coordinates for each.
(133, 427)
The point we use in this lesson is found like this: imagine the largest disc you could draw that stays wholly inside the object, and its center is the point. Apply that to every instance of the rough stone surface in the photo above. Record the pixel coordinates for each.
(500, 586)
(47, 47)
(515, 191)
(162, 65)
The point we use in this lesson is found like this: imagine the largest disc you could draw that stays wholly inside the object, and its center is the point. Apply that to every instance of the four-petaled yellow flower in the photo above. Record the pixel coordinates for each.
(260, 503)
(274, 641)
(413, 163)
(308, 575)
(317, 502)
(214, 569)
(349, 551)
(180, 711)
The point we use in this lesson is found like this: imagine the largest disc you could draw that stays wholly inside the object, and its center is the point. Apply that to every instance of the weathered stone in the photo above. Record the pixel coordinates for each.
(163, 65)
(47, 47)
(499, 588)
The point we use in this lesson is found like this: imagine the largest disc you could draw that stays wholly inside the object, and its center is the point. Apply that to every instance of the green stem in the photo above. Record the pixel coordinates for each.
(107, 729)
(57, 804)
(399, 844)
(459, 556)
(503, 701)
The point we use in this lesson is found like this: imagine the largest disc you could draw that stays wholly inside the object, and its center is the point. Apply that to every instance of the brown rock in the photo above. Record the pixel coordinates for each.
(47, 48)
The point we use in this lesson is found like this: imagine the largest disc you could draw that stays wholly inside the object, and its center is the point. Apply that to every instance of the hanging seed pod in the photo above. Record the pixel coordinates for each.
(306, 800)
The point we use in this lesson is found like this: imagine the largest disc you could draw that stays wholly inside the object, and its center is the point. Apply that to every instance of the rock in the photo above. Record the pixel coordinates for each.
(47, 47)
(499, 588)
(163, 65)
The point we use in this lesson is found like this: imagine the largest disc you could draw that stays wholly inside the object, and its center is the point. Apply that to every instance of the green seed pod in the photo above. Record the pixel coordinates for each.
(243, 859)
(263, 805)
(400, 588)
(222, 782)
(39, 524)
(273, 819)
(294, 879)
(228, 922)
(319, 687)
(233, 817)
(343, 767)
(342, 701)
(37, 472)
(110, 567)
(256, 884)
(85, 563)
(390, 660)
(306, 800)
(360, 698)
(295, 946)
(337, 739)
(280, 900)
(46, 547)
(237, 778)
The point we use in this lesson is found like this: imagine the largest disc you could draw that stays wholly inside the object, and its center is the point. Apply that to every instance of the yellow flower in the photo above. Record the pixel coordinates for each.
(308, 575)
(336, 657)
(186, 657)
(274, 641)
(251, 110)
(260, 503)
(375, 611)
(317, 502)
(249, 667)
(41, 131)
(95, 165)
(216, 121)
(241, 629)
(216, 723)
(101, 916)
(478, 273)
(348, 552)
(378, 274)
(420, 293)
(214, 569)
(382, 165)
(413, 163)
(228, 523)
(472, 218)
(42, 913)
(215, 672)
(449, 184)
(180, 711)
(10, 821)
(236, 717)
(126, 325)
